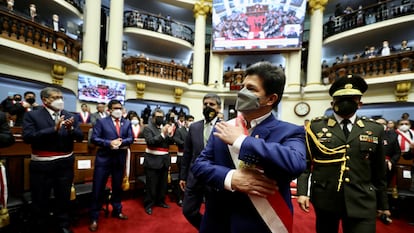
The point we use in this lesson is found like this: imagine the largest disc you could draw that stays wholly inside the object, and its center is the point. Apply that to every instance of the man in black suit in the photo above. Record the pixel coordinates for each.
(6, 137)
(159, 137)
(195, 141)
(19, 108)
(51, 132)
(179, 137)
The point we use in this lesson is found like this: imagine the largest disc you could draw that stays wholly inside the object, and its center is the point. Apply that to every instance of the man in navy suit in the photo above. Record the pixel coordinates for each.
(194, 143)
(112, 135)
(51, 131)
(250, 161)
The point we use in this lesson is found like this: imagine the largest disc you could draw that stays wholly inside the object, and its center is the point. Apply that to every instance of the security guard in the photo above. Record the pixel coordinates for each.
(346, 159)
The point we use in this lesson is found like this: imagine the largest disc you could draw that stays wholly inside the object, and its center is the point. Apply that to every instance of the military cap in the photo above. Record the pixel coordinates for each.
(348, 85)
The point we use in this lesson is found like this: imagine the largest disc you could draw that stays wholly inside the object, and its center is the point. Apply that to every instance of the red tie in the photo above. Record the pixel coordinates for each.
(118, 127)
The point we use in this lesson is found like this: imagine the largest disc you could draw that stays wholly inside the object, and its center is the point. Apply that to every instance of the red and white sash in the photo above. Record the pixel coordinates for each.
(135, 130)
(404, 140)
(84, 117)
(273, 210)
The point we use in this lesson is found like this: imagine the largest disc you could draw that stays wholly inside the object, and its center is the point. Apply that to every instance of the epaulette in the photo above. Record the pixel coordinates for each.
(319, 118)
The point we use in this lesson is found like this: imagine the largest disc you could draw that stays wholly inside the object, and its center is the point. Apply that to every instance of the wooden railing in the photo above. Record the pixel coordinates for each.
(157, 69)
(20, 29)
(398, 63)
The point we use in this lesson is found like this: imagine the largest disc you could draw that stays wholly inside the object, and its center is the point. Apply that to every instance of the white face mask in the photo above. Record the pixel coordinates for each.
(135, 122)
(117, 113)
(404, 128)
(58, 104)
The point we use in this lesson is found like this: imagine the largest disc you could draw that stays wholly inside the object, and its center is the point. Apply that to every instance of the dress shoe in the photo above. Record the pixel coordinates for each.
(93, 226)
(163, 205)
(148, 210)
(180, 203)
(120, 216)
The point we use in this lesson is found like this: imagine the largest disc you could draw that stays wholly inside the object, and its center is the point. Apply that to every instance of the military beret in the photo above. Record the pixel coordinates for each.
(348, 85)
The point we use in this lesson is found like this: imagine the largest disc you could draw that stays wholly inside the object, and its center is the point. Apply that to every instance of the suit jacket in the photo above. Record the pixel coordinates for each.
(80, 118)
(154, 139)
(363, 189)
(193, 145)
(39, 130)
(391, 146)
(6, 136)
(278, 147)
(96, 116)
(104, 131)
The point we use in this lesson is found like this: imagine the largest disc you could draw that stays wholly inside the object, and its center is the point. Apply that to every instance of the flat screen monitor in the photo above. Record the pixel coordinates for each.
(100, 90)
(259, 25)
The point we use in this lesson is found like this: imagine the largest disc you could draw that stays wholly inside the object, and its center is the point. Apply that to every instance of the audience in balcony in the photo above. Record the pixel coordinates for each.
(386, 49)
(10, 5)
(32, 12)
(404, 46)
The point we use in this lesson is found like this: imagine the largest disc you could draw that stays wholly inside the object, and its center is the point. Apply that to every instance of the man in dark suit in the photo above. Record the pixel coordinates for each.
(112, 135)
(51, 131)
(179, 137)
(19, 108)
(198, 134)
(84, 117)
(159, 137)
(6, 136)
(346, 160)
(250, 161)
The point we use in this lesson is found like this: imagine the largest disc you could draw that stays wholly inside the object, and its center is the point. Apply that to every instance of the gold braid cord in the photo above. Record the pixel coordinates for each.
(327, 151)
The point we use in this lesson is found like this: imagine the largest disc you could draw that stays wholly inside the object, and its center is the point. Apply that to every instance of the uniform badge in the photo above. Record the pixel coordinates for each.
(363, 138)
(324, 130)
(360, 123)
(331, 122)
(320, 134)
(329, 135)
(369, 132)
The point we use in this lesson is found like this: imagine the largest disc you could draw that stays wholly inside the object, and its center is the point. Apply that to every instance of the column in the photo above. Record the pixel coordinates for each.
(216, 70)
(116, 28)
(315, 42)
(92, 31)
(293, 69)
(201, 9)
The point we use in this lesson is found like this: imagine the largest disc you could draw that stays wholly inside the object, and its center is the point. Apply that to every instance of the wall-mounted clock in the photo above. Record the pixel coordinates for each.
(302, 109)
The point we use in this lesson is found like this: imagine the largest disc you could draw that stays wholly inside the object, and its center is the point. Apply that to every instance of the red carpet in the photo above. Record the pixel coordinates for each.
(172, 221)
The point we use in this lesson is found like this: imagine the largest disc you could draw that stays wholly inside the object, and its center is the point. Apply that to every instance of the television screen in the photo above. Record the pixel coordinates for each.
(259, 25)
(100, 90)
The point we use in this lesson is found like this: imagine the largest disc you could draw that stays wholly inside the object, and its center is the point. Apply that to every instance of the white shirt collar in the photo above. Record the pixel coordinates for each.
(339, 119)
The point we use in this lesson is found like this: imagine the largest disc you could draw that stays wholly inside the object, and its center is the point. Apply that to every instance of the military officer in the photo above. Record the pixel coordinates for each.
(346, 160)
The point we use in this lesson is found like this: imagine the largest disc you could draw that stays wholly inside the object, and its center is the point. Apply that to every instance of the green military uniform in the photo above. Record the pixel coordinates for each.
(348, 173)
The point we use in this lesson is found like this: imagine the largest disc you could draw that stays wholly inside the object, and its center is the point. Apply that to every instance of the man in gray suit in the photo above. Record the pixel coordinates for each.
(100, 113)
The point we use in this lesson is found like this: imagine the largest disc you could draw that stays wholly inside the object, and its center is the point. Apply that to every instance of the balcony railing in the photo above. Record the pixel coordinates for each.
(394, 64)
(157, 69)
(159, 24)
(17, 28)
(367, 15)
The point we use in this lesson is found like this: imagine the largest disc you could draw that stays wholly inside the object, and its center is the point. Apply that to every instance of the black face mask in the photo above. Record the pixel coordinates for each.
(30, 100)
(158, 120)
(345, 107)
(209, 114)
(17, 99)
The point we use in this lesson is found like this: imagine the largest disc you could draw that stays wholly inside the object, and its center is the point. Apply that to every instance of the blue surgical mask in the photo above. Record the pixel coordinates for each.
(135, 122)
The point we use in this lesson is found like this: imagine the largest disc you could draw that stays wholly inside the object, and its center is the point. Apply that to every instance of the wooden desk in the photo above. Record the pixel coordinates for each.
(17, 160)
